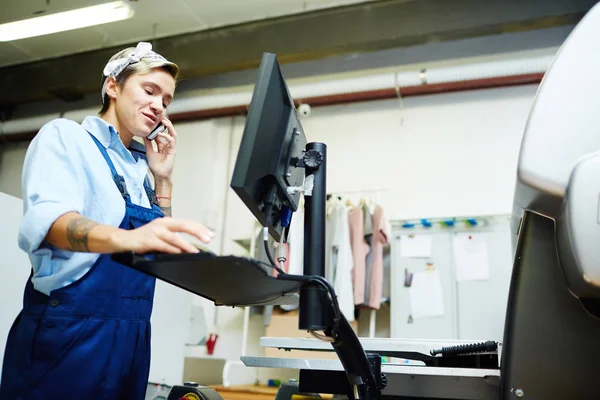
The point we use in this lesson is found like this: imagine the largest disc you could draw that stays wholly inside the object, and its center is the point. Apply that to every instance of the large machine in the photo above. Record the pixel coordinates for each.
(552, 324)
(550, 346)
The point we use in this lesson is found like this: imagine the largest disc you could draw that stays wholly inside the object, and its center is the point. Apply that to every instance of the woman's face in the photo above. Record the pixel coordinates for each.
(142, 101)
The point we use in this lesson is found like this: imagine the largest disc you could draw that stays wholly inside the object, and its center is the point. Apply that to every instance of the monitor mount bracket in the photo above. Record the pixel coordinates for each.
(318, 302)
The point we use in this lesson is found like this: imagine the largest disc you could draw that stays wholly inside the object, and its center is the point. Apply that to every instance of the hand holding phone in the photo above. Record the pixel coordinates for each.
(159, 129)
(160, 154)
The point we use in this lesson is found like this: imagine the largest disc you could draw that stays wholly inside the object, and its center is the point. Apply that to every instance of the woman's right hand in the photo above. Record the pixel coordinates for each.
(161, 235)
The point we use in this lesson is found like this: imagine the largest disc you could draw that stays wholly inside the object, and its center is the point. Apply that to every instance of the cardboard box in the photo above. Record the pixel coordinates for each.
(285, 324)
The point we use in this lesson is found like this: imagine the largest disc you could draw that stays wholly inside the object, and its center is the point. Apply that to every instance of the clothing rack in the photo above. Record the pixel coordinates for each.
(377, 192)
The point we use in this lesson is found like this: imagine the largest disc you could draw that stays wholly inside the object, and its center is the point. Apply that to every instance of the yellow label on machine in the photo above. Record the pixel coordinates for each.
(191, 396)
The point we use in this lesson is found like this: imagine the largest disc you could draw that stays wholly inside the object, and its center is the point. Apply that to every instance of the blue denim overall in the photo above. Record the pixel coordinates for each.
(90, 339)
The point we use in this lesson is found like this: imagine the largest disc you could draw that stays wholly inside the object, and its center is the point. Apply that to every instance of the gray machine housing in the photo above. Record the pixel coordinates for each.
(550, 347)
(558, 174)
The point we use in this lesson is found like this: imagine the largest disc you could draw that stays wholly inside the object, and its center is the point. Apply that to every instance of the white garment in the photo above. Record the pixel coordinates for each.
(338, 257)
(296, 249)
(296, 243)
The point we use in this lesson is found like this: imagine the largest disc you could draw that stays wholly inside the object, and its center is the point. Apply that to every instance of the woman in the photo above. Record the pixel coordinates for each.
(84, 331)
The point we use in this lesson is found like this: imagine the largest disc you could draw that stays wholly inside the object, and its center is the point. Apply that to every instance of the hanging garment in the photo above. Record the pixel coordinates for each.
(338, 258)
(295, 249)
(374, 263)
(368, 219)
(387, 275)
(90, 339)
(360, 250)
(296, 243)
(368, 266)
(330, 249)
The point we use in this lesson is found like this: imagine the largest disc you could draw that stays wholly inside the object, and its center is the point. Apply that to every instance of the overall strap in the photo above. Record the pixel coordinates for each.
(138, 151)
(118, 179)
(150, 193)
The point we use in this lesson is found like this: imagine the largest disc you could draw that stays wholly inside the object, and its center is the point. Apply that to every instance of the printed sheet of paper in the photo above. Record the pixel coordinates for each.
(426, 295)
(471, 258)
(415, 246)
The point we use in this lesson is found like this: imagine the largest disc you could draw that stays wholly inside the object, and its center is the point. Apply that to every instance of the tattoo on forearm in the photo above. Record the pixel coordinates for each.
(166, 211)
(78, 230)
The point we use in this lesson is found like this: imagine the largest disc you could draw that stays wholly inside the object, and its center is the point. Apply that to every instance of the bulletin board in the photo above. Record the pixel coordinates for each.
(450, 278)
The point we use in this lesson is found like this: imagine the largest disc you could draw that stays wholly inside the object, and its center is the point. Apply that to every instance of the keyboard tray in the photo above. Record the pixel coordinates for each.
(225, 280)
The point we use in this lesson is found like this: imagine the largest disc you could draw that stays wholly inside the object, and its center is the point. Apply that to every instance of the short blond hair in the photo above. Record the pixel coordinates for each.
(144, 66)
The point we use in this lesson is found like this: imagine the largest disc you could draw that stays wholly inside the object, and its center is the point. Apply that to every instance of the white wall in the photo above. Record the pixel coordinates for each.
(439, 155)
(443, 155)
(14, 266)
(170, 326)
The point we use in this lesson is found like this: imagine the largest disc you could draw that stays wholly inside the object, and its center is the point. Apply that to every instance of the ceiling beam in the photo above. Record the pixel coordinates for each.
(358, 28)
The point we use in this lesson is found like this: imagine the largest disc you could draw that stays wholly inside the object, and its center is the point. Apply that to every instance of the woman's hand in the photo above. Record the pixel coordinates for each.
(74, 232)
(162, 160)
(161, 235)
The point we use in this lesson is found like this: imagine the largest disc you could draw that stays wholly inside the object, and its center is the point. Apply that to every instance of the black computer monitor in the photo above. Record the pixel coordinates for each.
(273, 140)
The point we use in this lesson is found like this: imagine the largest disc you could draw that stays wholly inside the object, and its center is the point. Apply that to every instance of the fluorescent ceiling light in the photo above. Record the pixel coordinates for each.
(66, 21)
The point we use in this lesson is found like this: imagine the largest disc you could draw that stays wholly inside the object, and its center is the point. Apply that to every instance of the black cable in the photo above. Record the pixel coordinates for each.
(463, 349)
(271, 260)
(276, 268)
(300, 278)
(309, 279)
(323, 282)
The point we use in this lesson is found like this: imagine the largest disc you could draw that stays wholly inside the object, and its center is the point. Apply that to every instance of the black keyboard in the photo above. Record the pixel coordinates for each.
(226, 280)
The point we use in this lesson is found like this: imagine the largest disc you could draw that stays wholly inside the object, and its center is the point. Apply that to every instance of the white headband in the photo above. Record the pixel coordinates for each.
(115, 67)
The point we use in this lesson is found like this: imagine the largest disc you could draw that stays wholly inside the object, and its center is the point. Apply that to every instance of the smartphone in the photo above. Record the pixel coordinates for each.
(159, 128)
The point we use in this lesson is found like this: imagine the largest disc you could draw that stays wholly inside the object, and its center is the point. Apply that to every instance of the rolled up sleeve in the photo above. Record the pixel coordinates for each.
(52, 182)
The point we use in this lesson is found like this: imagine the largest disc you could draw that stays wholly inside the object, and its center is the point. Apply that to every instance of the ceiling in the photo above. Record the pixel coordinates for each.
(153, 19)
(210, 37)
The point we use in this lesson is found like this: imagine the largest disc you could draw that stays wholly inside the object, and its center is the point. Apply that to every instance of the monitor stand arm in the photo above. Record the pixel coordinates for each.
(363, 371)
(317, 313)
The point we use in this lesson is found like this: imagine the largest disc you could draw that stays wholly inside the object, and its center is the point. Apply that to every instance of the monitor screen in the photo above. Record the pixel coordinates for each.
(272, 142)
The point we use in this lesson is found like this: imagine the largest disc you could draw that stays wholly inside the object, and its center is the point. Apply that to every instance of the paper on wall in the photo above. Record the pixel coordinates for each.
(426, 295)
(471, 258)
(415, 246)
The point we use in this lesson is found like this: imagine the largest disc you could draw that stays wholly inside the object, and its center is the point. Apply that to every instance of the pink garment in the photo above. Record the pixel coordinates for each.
(379, 239)
(360, 248)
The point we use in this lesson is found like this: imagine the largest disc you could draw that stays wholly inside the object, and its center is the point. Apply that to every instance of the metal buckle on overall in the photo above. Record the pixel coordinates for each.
(120, 182)
(152, 196)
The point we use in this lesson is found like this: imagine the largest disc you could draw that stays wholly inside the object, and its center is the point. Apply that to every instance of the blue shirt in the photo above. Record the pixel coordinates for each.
(64, 171)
